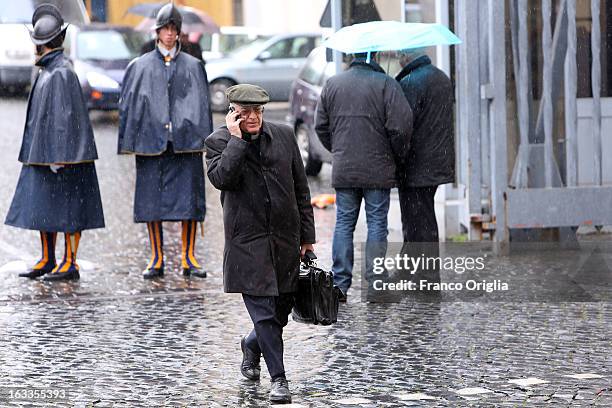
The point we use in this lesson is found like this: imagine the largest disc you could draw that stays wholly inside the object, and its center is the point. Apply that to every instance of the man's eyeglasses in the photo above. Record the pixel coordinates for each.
(246, 111)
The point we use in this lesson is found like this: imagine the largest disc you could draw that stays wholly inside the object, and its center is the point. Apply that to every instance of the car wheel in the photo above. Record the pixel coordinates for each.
(218, 100)
(311, 165)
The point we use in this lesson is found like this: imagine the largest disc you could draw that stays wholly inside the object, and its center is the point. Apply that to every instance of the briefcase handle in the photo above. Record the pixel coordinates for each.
(309, 258)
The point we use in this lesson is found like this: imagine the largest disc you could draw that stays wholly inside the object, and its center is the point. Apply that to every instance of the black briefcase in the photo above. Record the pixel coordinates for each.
(316, 301)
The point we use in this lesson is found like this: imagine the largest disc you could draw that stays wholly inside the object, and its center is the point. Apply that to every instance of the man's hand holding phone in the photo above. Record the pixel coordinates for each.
(232, 120)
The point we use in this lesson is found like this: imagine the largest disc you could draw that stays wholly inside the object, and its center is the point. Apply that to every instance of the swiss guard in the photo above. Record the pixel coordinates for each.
(57, 189)
(164, 118)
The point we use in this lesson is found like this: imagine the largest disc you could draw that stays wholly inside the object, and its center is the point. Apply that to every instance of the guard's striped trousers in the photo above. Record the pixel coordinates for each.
(156, 236)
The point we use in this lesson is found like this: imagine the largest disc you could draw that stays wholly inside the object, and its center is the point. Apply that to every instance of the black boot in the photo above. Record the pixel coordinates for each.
(152, 273)
(191, 267)
(47, 262)
(155, 268)
(68, 268)
(191, 271)
(34, 273)
(279, 391)
(250, 367)
(70, 274)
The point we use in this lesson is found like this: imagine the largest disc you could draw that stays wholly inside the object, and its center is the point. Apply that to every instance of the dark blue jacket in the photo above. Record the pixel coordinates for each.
(57, 128)
(159, 99)
(431, 160)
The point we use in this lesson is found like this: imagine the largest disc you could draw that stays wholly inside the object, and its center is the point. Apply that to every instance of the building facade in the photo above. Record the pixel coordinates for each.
(115, 11)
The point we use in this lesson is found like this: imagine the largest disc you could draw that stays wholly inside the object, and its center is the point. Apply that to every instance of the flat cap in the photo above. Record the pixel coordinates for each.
(247, 94)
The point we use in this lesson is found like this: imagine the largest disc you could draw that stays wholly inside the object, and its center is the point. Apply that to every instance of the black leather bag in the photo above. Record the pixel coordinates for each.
(316, 301)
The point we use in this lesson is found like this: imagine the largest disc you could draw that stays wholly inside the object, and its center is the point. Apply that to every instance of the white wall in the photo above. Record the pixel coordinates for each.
(279, 16)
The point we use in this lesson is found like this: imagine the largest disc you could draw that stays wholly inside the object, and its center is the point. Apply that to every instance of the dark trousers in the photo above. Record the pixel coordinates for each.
(269, 315)
(418, 214)
(420, 228)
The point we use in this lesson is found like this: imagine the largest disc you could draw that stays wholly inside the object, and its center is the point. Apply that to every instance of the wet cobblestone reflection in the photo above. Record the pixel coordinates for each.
(116, 340)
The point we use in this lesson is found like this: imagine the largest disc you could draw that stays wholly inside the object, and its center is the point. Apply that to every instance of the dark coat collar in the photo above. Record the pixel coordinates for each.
(417, 63)
(51, 57)
(372, 65)
(266, 130)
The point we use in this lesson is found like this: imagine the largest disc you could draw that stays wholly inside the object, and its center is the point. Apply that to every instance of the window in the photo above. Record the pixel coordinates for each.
(206, 42)
(108, 45)
(315, 67)
(298, 47)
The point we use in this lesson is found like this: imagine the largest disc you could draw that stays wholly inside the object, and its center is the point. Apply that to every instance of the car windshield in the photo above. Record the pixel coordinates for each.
(230, 42)
(108, 45)
(252, 48)
(20, 12)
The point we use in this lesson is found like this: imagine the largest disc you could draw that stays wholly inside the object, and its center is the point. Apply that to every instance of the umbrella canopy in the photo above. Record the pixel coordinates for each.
(194, 20)
(389, 36)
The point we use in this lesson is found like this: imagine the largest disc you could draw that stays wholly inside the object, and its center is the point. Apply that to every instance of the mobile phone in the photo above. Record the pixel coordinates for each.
(232, 109)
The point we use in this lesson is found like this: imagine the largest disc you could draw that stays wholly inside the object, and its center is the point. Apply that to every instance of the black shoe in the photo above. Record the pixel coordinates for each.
(342, 298)
(36, 273)
(152, 273)
(71, 274)
(279, 392)
(191, 271)
(250, 367)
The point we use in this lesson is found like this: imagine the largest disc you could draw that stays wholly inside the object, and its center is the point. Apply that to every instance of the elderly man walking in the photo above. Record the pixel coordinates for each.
(365, 121)
(268, 221)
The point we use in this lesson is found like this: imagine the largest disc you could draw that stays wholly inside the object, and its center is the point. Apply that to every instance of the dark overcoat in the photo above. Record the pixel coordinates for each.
(431, 160)
(161, 103)
(57, 128)
(266, 209)
(164, 118)
(57, 131)
(365, 121)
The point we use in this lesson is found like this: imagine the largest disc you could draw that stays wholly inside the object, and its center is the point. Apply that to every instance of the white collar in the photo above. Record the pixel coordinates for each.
(166, 52)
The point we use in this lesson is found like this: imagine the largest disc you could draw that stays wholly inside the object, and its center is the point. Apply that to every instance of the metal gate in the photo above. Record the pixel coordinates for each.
(554, 141)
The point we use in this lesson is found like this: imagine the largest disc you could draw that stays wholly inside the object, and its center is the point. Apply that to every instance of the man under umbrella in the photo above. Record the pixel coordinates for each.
(164, 118)
(57, 189)
(431, 160)
(365, 121)
(268, 223)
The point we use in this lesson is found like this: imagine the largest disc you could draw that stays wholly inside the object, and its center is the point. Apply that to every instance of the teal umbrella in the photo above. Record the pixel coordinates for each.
(389, 36)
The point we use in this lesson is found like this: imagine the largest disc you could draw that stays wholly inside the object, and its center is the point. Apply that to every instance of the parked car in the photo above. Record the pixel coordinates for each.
(270, 63)
(218, 45)
(100, 54)
(16, 49)
(305, 93)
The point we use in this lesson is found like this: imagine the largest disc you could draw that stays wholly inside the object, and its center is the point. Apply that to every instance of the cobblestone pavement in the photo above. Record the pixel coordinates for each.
(112, 339)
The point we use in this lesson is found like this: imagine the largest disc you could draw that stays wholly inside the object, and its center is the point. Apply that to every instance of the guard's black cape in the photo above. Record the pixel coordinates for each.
(157, 99)
(57, 128)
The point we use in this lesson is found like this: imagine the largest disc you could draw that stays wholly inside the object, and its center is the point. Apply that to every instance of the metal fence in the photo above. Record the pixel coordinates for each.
(554, 182)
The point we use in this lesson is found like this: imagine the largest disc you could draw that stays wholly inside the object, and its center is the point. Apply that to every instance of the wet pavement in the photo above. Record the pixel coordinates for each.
(112, 339)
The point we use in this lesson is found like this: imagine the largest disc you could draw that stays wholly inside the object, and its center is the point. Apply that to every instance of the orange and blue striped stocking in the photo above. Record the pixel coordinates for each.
(47, 242)
(188, 259)
(156, 236)
(71, 246)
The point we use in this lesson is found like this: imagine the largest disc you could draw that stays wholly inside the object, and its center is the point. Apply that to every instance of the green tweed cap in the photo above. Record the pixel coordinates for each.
(247, 94)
